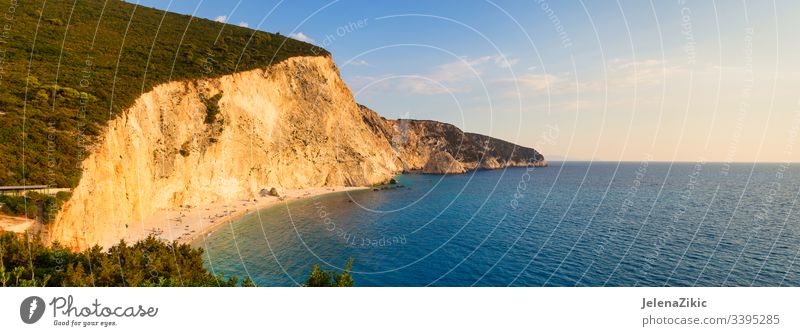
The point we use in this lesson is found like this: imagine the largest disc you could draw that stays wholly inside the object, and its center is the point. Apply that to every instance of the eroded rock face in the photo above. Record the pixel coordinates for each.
(293, 125)
(443, 163)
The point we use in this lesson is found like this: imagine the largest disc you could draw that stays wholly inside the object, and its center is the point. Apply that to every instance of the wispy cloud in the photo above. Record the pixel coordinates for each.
(535, 83)
(468, 74)
(504, 61)
(358, 63)
(426, 86)
(221, 18)
(462, 75)
(244, 24)
(300, 36)
(627, 74)
(619, 74)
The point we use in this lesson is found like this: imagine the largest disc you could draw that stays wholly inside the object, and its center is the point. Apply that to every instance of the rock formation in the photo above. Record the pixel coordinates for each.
(434, 147)
(292, 125)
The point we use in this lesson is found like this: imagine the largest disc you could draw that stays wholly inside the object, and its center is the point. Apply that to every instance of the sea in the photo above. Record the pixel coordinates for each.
(569, 224)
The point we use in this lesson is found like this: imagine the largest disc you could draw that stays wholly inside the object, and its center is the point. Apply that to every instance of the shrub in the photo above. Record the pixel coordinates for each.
(148, 263)
(34, 205)
(212, 108)
(55, 22)
(320, 278)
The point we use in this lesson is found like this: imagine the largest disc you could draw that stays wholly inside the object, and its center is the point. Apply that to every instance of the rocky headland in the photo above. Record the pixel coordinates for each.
(291, 126)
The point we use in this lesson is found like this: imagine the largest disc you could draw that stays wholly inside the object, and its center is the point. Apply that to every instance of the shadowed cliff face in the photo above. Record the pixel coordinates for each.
(293, 125)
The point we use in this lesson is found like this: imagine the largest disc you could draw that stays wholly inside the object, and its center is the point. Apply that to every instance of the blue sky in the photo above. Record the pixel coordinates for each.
(584, 80)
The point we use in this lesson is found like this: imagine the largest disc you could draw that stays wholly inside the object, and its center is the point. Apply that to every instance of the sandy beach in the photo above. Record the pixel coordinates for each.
(189, 223)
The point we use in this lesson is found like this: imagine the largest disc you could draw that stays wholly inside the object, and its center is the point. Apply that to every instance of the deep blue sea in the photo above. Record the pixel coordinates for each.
(570, 224)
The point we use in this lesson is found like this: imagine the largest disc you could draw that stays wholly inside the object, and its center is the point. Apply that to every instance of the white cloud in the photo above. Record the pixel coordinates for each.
(244, 24)
(504, 62)
(541, 82)
(470, 74)
(301, 37)
(427, 86)
(453, 77)
(627, 74)
(358, 63)
(452, 72)
(620, 74)
(415, 84)
(461, 75)
(361, 81)
(465, 74)
(469, 69)
(221, 18)
(534, 84)
(623, 63)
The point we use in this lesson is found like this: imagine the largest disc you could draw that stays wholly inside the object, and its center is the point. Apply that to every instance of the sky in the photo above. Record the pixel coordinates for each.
(676, 80)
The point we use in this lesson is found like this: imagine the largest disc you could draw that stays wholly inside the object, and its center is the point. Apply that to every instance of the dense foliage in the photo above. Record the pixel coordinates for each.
(27, 262)
(320, 278)
(68, 67)
(34, 205)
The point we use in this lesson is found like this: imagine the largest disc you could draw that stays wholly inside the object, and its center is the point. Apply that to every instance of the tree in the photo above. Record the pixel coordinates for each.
(26, 261)
(320, 278)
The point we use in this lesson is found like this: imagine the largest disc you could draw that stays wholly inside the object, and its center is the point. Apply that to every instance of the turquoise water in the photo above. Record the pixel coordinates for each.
(571, 224)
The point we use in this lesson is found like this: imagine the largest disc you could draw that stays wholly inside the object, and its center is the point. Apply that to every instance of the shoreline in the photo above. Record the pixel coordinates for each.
(187, 224)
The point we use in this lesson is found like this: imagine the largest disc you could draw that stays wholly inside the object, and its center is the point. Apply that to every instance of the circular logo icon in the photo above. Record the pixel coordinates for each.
(31, 309)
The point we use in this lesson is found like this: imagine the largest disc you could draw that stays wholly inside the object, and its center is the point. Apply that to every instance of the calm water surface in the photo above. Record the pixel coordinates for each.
(571, 224)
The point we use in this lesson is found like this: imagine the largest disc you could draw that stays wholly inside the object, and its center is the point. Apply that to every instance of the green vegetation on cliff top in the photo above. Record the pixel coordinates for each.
(68, 67)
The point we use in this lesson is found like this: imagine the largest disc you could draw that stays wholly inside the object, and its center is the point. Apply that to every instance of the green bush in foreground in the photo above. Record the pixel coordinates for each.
(26, 261)
(320, 278)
